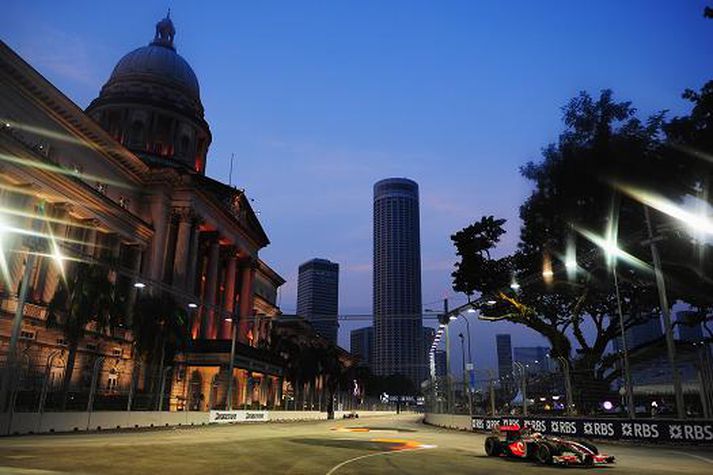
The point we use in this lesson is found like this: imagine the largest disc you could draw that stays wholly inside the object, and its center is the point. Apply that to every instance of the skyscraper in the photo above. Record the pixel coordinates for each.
(504, 349)
(362, 345)
(643, 333)
(318, 296)
(534, 358)
(398, 327)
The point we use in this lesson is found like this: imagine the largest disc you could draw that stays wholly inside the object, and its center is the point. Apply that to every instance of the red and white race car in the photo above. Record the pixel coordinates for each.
(514, 441)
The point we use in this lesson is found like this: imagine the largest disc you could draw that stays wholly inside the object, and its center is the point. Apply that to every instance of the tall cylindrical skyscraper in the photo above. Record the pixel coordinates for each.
(398, 331)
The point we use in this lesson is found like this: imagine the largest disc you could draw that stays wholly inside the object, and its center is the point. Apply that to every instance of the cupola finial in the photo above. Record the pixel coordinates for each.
(165, 32)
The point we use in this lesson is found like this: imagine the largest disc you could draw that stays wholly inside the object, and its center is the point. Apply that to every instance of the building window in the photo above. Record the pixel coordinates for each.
(91, 346)
(61, 342)
(113, 380)
(116, 352)
(27, 335)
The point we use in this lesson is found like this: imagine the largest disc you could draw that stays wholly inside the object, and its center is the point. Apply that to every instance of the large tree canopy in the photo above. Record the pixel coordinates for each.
(559, 281)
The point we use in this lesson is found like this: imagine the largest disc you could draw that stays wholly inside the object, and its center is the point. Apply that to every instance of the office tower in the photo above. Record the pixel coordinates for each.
(642, 333)
(398, 329)
(504, 349)
(362, 345)
(535, 358)
(318, 296)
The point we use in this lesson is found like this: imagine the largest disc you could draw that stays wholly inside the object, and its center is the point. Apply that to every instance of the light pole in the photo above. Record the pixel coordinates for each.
(665, 310)
(465, 384)
(10, 377)
(627, 370)
(469, 367)
(231, 363)
(523, 385)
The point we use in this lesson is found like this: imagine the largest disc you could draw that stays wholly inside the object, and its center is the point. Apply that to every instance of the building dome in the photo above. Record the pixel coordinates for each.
(159, 63)
(151, 103)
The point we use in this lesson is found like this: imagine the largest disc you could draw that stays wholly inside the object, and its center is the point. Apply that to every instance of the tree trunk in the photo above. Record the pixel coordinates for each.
(67, 379)
(330, 403)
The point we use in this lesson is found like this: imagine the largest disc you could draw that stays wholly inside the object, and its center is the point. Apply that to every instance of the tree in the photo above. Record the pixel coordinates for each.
(576, 199)
(160, 328)
(88, 296)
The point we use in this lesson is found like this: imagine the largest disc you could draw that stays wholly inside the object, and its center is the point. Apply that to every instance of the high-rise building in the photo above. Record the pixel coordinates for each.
(318, 296)
(642, 333)
(689, 327)
(535, 358)
(504, 349)
(362, 345)
(398, 326)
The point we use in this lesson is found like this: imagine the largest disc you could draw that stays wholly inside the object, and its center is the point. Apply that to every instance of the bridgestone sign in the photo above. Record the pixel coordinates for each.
(655, 430)
(224, 417)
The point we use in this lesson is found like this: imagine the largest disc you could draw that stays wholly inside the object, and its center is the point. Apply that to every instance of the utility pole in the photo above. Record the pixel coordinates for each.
(465, 383)
(627, 371)
(666, 311)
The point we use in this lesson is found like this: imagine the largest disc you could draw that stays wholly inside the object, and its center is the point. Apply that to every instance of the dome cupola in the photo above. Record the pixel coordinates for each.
(151, 103)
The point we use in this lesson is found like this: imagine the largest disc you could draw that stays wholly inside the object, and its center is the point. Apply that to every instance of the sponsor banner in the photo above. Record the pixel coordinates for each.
(223, 417)
(655, 430)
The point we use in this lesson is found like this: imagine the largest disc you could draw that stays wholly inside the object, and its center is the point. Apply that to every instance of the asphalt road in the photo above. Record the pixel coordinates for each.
(389, 445)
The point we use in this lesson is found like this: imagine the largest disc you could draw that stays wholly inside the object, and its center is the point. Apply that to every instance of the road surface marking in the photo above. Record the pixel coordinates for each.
(386, 452)
(699, 457)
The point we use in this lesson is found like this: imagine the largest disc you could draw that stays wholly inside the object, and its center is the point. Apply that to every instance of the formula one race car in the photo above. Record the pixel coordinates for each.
(514, 441)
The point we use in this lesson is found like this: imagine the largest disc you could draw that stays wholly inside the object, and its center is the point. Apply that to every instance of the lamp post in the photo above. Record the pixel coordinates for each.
(469, 366)
(666, 312)
(231, 363)
(564, 364)
(523, 384)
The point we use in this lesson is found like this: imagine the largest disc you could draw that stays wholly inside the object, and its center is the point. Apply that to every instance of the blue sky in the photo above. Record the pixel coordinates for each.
(318, 100)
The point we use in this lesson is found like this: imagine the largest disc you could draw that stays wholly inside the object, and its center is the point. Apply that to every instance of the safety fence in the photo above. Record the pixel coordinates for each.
(554, 387)
(103, 383)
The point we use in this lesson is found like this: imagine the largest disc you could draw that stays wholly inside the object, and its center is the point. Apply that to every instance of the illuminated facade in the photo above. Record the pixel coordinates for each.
(125, 181)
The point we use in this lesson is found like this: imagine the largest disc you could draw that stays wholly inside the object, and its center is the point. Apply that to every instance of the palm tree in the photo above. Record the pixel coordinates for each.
(87, 297)
(160, 328)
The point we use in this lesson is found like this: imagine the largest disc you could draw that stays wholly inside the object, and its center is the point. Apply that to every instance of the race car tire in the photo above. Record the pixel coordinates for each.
(543, 455)
(492, 447)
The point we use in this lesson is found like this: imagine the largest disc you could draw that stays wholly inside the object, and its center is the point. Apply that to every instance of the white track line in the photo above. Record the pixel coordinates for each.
(337, 467)
(704, 459)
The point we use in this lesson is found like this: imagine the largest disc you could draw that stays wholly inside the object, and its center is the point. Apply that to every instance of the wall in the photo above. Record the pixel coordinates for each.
(35, 423)
(460, 422)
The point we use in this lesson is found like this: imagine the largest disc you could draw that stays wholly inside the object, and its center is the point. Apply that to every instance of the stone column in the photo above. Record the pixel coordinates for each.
(183, 242)
(15, 251)
(54, 272)
(194, 253)
(246, 321)
(229, 293)
(207, 324)
(90, 248)
(159, 217)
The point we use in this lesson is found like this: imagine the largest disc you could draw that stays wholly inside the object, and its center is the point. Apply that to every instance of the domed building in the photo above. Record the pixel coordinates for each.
(123, 184)
(151, 104)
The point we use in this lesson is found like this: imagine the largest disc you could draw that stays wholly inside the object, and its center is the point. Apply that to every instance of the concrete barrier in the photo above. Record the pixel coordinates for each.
(35, 423)
(449, 421)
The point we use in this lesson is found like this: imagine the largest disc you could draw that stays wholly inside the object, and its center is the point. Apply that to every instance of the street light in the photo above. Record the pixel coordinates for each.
(139, 285)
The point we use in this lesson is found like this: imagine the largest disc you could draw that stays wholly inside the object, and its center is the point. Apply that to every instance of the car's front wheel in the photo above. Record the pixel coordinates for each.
(544, 454)
(492, 447)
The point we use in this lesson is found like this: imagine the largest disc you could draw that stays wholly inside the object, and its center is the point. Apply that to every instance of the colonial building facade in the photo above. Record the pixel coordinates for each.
(125, 180)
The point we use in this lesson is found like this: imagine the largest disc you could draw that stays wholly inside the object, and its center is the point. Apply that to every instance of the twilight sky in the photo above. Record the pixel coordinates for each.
(320, 99)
